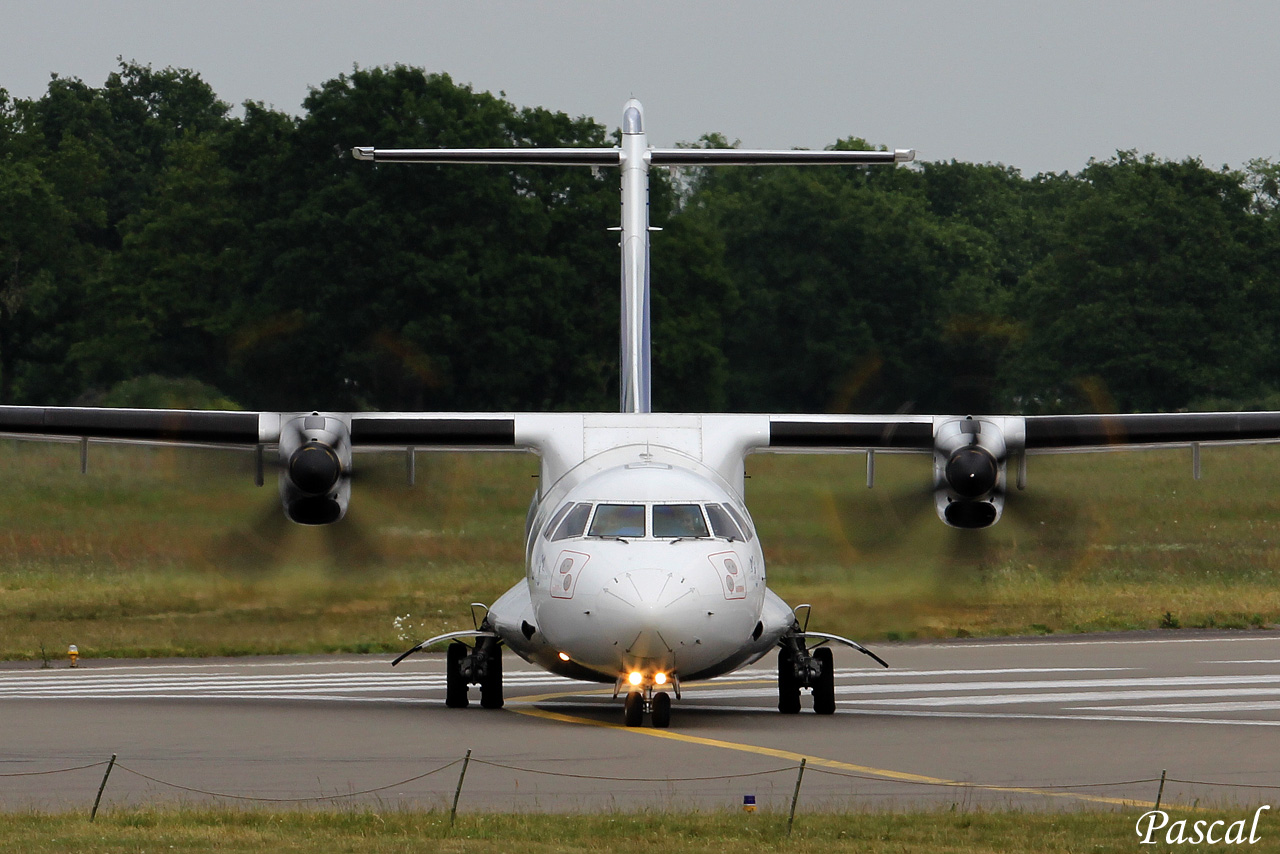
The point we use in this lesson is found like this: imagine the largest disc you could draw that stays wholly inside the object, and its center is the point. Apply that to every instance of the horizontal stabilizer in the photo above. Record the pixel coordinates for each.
(613, 156)
(507, 156)
(749, 157)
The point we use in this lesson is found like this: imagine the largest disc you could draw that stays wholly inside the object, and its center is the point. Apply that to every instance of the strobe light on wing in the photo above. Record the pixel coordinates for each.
(970, 462)
(315, 468)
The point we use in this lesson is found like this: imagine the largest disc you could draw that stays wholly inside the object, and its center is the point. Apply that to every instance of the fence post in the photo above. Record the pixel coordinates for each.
(1160, 791)
(796, 795)
(101, 786)
(453, 813)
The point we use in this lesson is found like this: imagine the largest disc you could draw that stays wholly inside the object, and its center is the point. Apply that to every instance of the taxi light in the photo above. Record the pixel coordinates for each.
(635, 678)
(564, 656)
(660, 678)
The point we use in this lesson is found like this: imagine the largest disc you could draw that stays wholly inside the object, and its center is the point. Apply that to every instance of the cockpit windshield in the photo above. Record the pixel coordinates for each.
(678, 520)
(618, 520)
(661, 521)
(722, 523)
(573, 523)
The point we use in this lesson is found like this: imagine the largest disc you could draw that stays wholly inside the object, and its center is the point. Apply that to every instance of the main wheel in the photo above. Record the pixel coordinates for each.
(824, 690)
(455, 685)
(633, 710)
(491, 684)
(661, 710)
(788, 688)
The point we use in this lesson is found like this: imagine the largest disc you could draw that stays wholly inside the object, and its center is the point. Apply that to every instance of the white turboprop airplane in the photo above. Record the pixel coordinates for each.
(643, 568)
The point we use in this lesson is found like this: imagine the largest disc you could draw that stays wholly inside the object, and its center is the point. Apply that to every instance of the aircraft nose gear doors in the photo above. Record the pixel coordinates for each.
(480, 666)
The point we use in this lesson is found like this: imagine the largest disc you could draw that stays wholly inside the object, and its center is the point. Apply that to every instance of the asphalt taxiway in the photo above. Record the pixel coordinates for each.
(1042, 723)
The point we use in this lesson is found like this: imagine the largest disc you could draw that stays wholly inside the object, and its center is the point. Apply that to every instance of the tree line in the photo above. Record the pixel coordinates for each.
(157, 249)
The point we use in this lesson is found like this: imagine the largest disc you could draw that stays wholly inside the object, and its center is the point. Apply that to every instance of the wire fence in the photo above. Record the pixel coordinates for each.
(1138, 790)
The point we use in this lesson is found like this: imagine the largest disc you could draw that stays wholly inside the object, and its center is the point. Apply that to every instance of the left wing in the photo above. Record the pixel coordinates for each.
(971, 454)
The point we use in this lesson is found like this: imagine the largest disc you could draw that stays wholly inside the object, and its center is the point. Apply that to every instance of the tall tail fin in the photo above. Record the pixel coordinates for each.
(633, 158)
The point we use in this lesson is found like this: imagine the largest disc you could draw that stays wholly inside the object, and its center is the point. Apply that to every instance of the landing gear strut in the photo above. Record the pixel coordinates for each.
(799, 667)
(480, 666)
(657, 704)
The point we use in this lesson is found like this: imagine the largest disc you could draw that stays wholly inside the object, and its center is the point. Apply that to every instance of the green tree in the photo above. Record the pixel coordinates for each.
(1151, 294)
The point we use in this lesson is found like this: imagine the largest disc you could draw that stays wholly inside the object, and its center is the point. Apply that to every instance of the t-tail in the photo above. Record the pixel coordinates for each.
(634, 159)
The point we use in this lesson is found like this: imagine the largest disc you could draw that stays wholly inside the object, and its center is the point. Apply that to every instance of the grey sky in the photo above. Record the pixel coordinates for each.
(1037, 85)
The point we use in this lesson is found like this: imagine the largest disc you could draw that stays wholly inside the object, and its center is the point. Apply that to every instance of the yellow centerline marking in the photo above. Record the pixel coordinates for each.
(525, 706)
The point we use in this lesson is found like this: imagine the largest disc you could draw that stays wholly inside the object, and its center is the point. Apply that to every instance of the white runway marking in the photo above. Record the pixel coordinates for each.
(960, 647)
(1075, 693)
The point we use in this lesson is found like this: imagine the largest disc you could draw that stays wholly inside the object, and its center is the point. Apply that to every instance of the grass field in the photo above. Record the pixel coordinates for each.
(644, 833)
(175, 552)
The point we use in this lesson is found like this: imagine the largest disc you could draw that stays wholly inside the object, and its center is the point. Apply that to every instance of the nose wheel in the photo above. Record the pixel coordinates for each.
(658, 705)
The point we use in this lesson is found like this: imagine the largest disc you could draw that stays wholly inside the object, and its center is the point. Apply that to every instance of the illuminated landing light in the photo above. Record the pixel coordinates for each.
(564, 657)
(660, 678)
(635, 678)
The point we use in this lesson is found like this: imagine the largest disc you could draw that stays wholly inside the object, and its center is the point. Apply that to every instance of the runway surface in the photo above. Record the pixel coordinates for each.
(1037, 723)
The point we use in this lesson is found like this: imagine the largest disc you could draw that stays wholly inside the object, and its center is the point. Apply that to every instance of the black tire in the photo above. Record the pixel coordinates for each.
(633, 710)
(788, 688)
(824, 689)
(491, 685)
(661, 710)
(455, 686)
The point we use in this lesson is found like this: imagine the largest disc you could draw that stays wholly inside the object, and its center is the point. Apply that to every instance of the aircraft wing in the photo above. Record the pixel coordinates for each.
(836, 433)
(461, 431)
(146, 426)
(1035, 434)
(972, 453)
(1068, 433)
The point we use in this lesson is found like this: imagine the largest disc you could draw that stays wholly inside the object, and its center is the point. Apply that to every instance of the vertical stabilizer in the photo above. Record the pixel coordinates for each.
(633, 160)
(635, 353)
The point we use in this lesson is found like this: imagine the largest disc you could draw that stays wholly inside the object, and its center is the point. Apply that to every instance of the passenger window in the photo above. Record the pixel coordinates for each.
(722, 523)
(574, 522)
(737, 517)
(678, 520)
(555, 520)
(618, 520)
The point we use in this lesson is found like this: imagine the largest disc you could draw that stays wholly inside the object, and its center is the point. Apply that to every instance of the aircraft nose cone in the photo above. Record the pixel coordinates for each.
(652, 614)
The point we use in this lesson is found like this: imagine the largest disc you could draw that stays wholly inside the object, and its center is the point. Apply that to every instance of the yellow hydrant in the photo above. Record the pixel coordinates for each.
(74, 653)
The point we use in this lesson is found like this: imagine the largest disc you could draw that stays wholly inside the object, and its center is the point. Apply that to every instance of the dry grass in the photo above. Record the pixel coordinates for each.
(166, 552)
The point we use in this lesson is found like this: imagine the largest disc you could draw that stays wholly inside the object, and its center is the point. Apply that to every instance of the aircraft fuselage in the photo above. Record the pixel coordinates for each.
(644, 561)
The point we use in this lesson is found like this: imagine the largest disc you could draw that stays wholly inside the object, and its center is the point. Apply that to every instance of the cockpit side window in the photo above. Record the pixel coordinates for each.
(678, 520)
(737, 517)
(618, 520)
(722, 523)
(555, 520)
(574, 521)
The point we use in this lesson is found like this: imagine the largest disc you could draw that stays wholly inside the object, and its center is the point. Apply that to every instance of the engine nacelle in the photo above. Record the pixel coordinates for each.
(315, 468)
(970, 462)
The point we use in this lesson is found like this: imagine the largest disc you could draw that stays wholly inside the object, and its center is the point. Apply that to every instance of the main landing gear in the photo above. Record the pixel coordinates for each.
(799, 667)
(481, 666)
(656, 703)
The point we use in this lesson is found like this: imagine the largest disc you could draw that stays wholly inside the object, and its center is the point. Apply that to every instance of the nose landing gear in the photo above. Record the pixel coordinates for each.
(656, 703)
